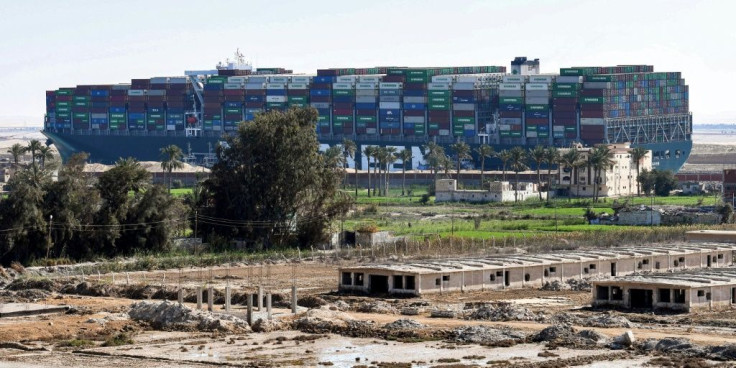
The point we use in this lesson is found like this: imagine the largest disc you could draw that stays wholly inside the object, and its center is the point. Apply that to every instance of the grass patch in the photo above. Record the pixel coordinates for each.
(76, 343)
(118, 340)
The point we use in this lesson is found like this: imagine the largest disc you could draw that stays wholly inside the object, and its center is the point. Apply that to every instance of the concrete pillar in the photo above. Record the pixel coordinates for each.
(260, 298)
(181, 296)
(127, 279)
(293, 299)
(249, 310)
(227, 298)
(210, 298)
(268, 305)
(199, 298)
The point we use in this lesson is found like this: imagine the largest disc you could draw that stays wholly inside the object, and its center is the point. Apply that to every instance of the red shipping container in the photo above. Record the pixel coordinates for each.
(233, 92)
(592, 93)
(393, 79)
(564, 100)
(254, 104)
(567, 108)
(343, 105)
(413, 112)
(537, 121)
(297, 92)
(505, 114)
(365, 112)
(463, 93)
(470, 114)
(591, 114)
(325, 99)
(439, 113)
(415, 86)
(343, 112)
(564, 115)
(255, 92)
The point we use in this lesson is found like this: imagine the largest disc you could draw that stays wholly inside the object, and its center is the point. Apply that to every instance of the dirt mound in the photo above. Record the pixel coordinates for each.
(172, 316)
(565, 335)
(310, 301)
(25, 284)
(504, 312)
(607, 320)
(265, 325)
(485, 335)
(553, 333)
(571, 284)
(32, 295)
(377, 306)
(330, 321)
(404, 324)
(89, 289)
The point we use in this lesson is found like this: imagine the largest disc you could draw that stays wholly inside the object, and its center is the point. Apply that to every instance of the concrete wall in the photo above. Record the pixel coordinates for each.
(640, 218)
(719, 236)
(500, 191)
(702, 298)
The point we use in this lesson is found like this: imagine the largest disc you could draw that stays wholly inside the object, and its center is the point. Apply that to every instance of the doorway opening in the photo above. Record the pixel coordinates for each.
(379, 284)
(640, 298)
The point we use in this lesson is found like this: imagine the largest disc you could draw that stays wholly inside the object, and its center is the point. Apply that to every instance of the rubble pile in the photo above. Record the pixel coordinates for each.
(173, 316)
(606, 320)
(377, 306)
(310, 301)
(403, 324)
(565, 335)
(485, 335)
(504, 312)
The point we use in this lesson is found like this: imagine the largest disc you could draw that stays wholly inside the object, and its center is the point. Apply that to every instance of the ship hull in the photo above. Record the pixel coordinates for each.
(107, 149)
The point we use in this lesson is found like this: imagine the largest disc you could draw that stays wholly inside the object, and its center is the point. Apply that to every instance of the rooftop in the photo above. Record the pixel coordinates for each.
(500, 262)
(693, 279)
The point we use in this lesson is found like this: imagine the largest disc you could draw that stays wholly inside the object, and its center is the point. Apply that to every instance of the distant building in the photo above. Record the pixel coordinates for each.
(667, 216)
(729, 186)
(692, 187)
(620, 179)
(498, 191)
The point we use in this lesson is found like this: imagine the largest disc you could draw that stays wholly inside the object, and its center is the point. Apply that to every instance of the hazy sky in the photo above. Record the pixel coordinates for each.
(49, 44)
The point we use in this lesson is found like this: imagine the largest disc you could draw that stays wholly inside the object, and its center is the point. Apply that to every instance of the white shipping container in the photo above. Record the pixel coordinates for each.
(544, 93)
(444, 132)
(157, 92)
(174, 80)
(513, 79)
(98, 116)
(443, 79)
(540, 79)
(363, 85)
(537, 86)
(509, 87)
(531, 134)
(253, 79)
(233, 86)
(463, 107)
(569, 79)
(438, 86)
(415, 99)
(240, 80)
(370, 130)
(389, 105)
(298, 86)
(217, 127)
(510, 93)
(469, 126)
(370, 79)
(366, 92)
(463, 86)
(278, 80)
(467, 79)
(414, 119)
(365, 99)
(504, 127)
(275, 98)
(301, 79)
(136, 92)
(511, 121)
(388, 85)
(558, 128)
(536, 100)
(255, 85)
(275, 86)
(171, 127)
(346, 79)
(600, 85)
(342, 86)
(592, 121)
(390, 98)
(320, 105)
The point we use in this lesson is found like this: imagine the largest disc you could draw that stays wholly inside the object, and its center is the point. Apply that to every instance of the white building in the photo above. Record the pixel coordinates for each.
(619, 179)
(498, 191)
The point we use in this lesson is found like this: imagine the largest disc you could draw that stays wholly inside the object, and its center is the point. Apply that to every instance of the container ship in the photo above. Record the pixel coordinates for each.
(405, 107)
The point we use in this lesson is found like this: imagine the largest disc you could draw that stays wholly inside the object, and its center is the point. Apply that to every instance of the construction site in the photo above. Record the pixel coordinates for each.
(588, 307)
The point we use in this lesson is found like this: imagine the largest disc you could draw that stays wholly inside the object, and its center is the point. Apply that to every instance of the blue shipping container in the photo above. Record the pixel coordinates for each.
(415, 92)
(414, 106)
(319, 92)
(365, 106)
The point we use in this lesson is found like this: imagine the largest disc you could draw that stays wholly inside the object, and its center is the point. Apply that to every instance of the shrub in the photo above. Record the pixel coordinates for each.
(425, 199)
(176, 184)
(118, 340)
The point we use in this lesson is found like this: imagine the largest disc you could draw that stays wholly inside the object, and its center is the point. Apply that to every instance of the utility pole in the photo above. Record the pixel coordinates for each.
(48, 241)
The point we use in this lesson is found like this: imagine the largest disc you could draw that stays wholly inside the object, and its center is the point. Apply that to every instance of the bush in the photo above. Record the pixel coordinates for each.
(176, 184)
(118, 340)
(424, 199)
(371, 209)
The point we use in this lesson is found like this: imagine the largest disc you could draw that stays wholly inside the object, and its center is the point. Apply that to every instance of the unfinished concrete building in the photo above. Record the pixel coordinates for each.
(528, 270)
(680, 291)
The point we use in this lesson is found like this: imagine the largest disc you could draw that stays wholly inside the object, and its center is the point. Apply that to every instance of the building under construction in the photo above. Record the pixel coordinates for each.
(529, 270)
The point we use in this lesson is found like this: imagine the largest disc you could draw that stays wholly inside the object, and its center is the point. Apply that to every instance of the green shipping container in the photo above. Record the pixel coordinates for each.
(275, 105)
(516, 134)
(322, 118)
(459, 120)
(537, 107)
(81, 115)
(117, 115)
(297, 104)
(598, 78)
(439, 106)
(81, 103)
(297, 98)
(234, 110)
(570, 129)
(511, 100)
(564, 93)
(531, 127)
(434, 126)
(64, 92)
(337, 124)
(342, 118)
(367, 119)
(505, 133)
(566, 86)
(62, 109)
(417, 79)
(81, 98)
(439, 99)
(445, 94)
(155, 116)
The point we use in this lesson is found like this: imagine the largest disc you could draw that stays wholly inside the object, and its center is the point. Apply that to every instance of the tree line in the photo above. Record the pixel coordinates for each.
(77, 216)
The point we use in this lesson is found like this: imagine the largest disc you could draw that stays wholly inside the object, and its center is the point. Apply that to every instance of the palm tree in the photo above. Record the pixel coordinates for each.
(638, 154)
(377, 170)
(405, 156)
(552, 157)
(505, 157)
(171, 160)
(484, 151)
(434, 156)
(601, 157)
(462, 152)
(369, 151)
(389, 157)
(350, 149)
(538, 155)
(570, 159)
(16, 151)
(33, 145)
(517, 160)
(44, 153)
